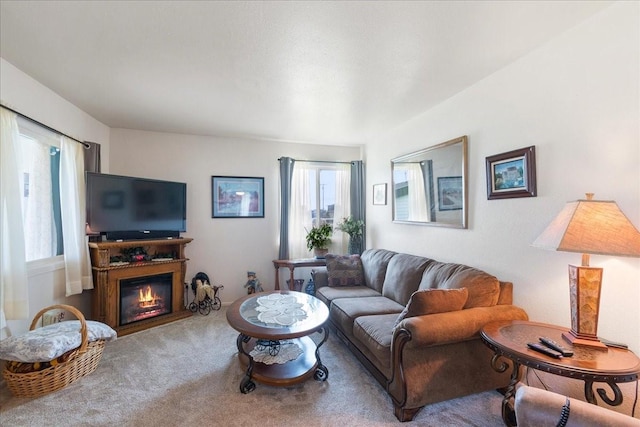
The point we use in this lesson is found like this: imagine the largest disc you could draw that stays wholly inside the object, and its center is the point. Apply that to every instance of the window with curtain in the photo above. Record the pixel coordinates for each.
(42, 193)
(39, 176)
(320, 194)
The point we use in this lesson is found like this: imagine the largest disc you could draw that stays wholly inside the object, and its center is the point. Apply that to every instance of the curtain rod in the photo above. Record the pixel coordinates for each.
(319, 161)
(84, 144)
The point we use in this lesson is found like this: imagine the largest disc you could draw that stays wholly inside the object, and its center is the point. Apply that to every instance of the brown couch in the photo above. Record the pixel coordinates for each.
(425, 358)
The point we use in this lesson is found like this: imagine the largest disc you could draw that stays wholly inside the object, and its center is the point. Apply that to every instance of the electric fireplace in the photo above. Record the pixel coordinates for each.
(138, 295)
(145, 297)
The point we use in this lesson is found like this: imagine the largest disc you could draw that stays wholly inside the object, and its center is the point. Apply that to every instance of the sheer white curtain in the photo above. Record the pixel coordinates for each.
(72, 200)
(300, 220)
(417, 196)
(13, 268)
(342, 207)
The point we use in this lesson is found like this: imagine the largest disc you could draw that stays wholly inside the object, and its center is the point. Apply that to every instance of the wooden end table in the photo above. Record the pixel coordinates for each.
(291, 264)
(592, 365)
(265, 320)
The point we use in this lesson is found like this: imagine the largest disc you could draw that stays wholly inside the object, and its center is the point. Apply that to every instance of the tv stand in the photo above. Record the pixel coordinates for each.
(107, 276)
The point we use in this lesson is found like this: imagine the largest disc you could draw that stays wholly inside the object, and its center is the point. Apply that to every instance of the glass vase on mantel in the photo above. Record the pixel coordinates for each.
(355, 245)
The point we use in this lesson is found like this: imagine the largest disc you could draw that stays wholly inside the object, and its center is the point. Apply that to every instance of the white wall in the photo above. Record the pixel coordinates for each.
(577, 100)
(224, 248)
(27, 96)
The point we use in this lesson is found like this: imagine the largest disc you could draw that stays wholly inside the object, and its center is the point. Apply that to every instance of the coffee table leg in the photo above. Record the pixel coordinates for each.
(322, 372)
(246, 385)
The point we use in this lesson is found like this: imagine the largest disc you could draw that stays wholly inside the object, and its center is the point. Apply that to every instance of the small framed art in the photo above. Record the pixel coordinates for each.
(237, 197)
(450, 193)
(380, 194)
(512, 174)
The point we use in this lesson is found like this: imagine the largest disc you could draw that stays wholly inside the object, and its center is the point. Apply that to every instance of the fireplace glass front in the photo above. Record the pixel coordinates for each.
(145, 297)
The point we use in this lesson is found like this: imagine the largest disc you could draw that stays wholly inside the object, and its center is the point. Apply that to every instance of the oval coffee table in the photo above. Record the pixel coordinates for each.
(274, 341)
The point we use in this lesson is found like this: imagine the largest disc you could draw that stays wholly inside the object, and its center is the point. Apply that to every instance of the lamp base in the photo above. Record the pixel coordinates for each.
(584, 292)
(586, 341)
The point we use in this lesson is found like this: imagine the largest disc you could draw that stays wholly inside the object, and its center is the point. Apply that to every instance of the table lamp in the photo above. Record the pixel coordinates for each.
(589, 227)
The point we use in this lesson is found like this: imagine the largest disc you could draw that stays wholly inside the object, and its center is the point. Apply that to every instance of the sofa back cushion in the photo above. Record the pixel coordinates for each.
(374, 262)
(404, 273)
(483, 288)
(344, 270)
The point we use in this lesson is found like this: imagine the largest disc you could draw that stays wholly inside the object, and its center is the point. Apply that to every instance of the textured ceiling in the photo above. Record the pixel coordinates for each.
(318, 72)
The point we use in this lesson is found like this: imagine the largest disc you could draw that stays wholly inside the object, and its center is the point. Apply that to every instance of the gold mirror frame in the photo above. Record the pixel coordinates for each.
(429, 187)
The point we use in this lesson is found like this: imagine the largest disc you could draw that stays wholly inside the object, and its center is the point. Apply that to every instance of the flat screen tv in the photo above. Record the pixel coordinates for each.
(125, 207)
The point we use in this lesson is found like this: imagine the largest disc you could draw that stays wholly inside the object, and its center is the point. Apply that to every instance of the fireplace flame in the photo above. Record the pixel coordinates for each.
(148, 298)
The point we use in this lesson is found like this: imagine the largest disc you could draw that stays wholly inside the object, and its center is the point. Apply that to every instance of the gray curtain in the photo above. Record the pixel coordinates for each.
(286, 174)
(427, 174)
(92, 157)
(358, 195)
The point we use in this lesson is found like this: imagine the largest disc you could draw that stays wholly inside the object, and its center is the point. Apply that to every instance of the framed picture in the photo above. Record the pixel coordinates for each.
(380, 194)
(450, 193)
(512, 174)
(237, 197)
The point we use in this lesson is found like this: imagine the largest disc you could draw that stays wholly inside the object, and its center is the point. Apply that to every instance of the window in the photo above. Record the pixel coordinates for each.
(322, 190)
(320, 194)
(40, 167)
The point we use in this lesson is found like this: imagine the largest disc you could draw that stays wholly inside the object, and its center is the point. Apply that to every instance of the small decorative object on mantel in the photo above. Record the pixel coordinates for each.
(136, 254)
(319, 239)
(512, 174)
(354, 228)
(253, 285)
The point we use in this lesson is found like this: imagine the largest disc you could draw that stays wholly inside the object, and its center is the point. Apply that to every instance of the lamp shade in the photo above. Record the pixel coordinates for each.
(591, 227)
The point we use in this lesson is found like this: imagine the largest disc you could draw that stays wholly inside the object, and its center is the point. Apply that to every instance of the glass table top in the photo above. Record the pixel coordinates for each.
(284, 310)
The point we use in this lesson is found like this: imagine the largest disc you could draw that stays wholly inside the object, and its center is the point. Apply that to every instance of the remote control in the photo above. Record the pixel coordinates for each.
(613, 344)
(545, 350)
(557, 347)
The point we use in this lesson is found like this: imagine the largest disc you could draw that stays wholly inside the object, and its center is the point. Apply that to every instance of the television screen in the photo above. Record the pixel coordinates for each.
(122, 204)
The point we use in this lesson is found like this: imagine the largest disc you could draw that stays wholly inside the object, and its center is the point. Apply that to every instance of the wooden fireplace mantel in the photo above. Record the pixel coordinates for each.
(107, 276)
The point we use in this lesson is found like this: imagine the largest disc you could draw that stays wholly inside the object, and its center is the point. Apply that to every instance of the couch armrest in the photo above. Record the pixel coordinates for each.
(456, 326)
(538, 408)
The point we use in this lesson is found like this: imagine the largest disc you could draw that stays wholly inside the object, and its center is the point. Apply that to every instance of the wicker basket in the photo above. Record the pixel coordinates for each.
(56, 377)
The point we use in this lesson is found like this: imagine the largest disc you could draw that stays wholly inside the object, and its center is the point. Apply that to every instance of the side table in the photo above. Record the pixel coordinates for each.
(509, 339)
(291, 264)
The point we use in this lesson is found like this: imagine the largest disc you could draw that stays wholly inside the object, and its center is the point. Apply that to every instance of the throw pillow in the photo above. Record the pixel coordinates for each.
(432, 301)
(344, 270)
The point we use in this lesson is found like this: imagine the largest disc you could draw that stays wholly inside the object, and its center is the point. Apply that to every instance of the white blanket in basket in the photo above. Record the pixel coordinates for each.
(49, 342)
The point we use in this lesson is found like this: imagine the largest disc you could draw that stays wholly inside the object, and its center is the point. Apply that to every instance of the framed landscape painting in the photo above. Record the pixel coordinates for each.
(512, 174)
(237, 197)
(449, 193)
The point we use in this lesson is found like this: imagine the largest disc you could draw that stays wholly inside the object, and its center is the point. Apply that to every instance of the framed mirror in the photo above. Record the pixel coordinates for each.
(429, 187)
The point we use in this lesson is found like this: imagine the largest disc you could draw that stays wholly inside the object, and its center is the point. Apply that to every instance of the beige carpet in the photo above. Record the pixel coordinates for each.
(187, 373)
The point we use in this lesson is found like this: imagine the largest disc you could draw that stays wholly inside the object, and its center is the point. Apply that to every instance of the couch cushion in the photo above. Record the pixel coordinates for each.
(344, 311)
(375, 333)
(404, 273)
(328, 294)
(483, 288)
(374, 262)
(344, 270)
(432, 301)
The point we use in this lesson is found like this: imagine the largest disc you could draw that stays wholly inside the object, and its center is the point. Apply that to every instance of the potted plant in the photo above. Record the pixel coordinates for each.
(354, 228)
(318, 240)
